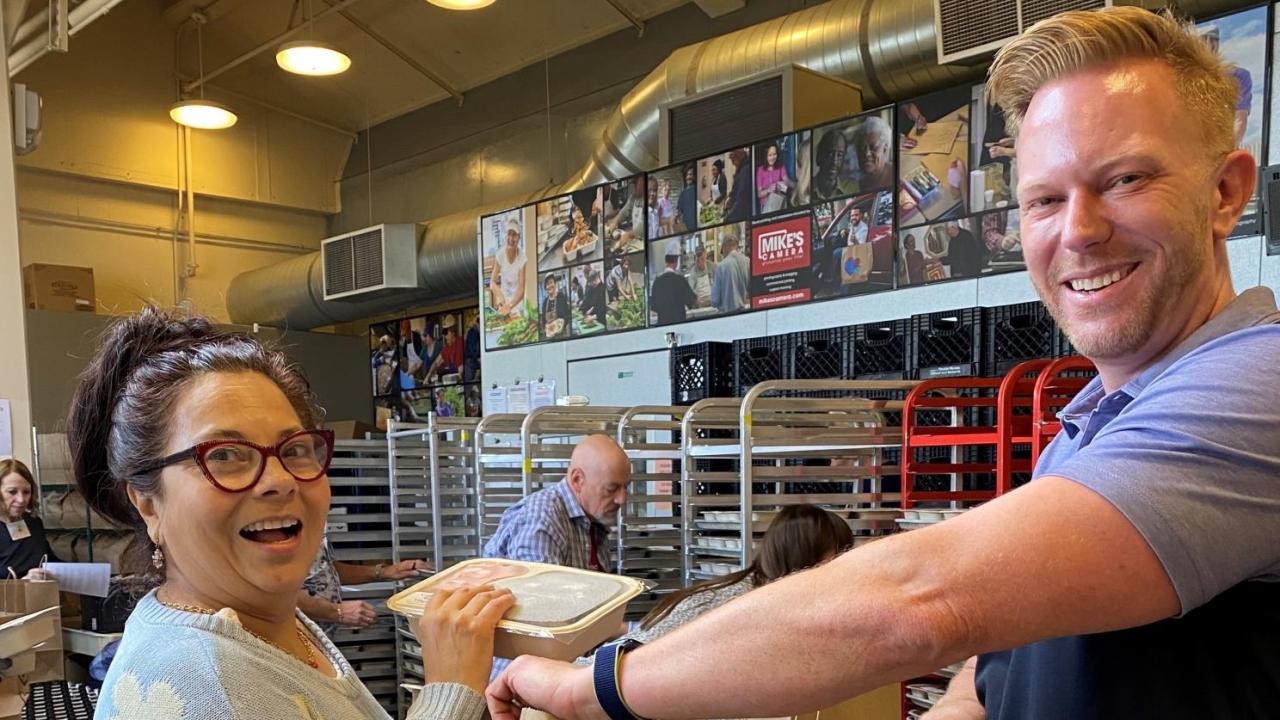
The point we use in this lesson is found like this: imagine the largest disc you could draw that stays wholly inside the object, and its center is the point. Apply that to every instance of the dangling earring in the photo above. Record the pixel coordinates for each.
(157, 558)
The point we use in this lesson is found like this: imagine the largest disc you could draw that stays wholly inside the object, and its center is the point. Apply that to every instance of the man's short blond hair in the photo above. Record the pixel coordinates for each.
(1082, 39)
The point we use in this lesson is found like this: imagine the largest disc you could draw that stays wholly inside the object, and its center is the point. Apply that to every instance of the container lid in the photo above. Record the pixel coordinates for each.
(551, 601)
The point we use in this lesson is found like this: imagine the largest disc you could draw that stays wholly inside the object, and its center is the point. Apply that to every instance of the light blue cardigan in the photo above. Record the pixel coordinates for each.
(175, 665)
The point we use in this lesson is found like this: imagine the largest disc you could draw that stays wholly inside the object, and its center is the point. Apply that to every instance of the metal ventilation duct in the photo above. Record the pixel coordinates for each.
(889, 47)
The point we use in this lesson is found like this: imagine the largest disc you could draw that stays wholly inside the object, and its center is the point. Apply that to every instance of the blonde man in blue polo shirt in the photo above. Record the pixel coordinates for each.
(1138, 574)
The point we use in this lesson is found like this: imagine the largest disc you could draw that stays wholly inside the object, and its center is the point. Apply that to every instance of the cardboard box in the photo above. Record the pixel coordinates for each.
(13, 697)
(349, 429)
(58, 287)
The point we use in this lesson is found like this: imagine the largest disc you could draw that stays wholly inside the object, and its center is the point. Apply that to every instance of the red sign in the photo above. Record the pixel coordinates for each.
(780, 246)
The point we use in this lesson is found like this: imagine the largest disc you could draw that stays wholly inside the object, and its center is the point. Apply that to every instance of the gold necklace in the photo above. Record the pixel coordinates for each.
(311, 653)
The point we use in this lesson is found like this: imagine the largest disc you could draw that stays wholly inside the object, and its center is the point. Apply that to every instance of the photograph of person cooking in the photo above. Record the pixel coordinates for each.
(569, 230)
(699, 275)
(510, 292)
(627, 210)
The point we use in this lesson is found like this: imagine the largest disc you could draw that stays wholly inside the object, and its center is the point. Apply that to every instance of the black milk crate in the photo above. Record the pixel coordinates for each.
(882, 350)
(948, 344)
(756, 360)
(701, 371)
(1062, 345)
(1017, 333)
(822, 354)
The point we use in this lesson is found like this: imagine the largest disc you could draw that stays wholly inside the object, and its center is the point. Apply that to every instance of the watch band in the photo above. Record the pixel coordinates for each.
(377, 571)
(607, 683)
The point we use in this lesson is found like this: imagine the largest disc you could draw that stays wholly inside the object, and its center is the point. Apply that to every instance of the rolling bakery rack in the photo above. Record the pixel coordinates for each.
(499, 478)
(648, 530)
(360, 530)
(776, 442)
(434, 513)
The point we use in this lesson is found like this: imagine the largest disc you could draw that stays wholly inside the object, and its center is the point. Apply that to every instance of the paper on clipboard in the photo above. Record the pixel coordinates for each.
(81, 578)
(939, 138)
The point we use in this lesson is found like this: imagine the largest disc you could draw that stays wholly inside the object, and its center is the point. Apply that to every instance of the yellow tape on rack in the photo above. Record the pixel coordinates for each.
(747, 419)
(528, 465)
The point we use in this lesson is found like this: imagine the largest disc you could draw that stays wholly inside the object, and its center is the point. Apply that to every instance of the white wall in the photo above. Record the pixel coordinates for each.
(1249, 268)
(102, 188)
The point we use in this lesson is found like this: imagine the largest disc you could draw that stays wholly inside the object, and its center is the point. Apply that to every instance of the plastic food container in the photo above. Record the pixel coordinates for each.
(560, 613)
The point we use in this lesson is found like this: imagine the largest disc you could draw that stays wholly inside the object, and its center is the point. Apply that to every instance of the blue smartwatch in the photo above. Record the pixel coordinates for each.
(607, 683)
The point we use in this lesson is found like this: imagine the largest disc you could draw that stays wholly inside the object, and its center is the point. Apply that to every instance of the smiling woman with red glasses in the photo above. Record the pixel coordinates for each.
(206, 442)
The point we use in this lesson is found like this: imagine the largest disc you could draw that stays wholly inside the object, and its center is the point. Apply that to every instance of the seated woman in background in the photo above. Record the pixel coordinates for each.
(206, 442)
(24, 545)
(799, 538)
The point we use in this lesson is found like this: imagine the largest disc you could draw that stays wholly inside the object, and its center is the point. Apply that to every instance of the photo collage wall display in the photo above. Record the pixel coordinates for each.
(1240, 38)
(425, 364)
(590, 273)
(956, 193)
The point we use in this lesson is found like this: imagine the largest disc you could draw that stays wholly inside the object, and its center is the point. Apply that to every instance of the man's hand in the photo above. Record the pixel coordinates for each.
(406, 569)
(961, 700)
(456, 633)
(556, 688)
(356, 614)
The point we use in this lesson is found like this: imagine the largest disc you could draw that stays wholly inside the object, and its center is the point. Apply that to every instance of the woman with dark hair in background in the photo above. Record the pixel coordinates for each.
(800, 537)
(741, 201)
(206, 443)
(25, 545)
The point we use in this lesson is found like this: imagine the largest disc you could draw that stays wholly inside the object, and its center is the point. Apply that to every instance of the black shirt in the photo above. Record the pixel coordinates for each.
(593, 301)
(24, 555)
(1219, 661)
(671, 297)
(557, 309)
(965, 255)
(741, 199)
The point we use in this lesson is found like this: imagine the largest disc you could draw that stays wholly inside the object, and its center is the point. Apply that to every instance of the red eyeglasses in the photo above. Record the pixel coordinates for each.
(237, 465)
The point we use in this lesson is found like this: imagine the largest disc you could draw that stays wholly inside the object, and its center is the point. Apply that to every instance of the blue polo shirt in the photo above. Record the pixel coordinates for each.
(1189, 452)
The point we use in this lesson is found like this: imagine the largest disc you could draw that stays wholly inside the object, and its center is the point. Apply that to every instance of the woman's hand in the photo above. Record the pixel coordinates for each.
(406, 569)
(37, 574)
(456, 634)
(356, 614)
(559, 689)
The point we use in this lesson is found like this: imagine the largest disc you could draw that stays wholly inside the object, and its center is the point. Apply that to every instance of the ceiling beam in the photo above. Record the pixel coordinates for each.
(625, 12)
(716, 8)
(14, 11)
(219, 90)
(271, 44)
(394, 50)
(180, 11)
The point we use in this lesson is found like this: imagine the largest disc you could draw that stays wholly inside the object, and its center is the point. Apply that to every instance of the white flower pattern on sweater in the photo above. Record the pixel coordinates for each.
(160, 699)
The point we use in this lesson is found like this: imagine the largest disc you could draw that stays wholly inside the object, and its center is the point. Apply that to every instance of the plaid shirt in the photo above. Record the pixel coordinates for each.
(550, 527)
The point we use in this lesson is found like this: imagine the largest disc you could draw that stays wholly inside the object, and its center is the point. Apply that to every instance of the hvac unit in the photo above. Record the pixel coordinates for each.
(765, 105)
(969, 31)
(371, 263)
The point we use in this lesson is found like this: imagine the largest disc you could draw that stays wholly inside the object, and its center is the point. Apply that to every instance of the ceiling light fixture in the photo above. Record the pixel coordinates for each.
(308, 57)
(199, 113)
(202, 114)
(462, 4)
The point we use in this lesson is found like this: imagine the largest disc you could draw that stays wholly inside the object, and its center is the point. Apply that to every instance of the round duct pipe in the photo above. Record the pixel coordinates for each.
(888, 47)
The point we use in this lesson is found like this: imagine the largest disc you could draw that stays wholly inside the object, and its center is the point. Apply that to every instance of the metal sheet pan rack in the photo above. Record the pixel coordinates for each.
(780, 445)
(550, 434)
(648, 527)
(499, 473)
(359, 530)
(434, 516)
